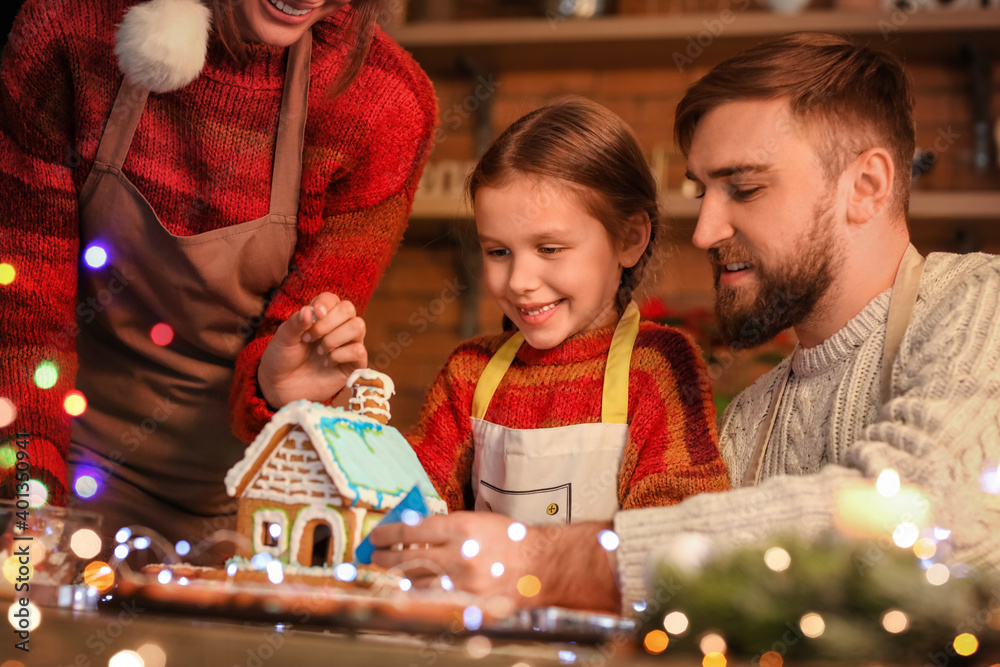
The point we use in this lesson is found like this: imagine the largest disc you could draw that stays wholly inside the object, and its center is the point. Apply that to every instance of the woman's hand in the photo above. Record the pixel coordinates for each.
(313, 352)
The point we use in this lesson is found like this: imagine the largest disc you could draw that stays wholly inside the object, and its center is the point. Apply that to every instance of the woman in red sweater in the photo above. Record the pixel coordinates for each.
(583, 410)
(160, 225)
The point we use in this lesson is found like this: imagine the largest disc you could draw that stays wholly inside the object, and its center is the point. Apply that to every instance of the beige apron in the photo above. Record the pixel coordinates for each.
(554, 475)
(904, 297)
(156, 433)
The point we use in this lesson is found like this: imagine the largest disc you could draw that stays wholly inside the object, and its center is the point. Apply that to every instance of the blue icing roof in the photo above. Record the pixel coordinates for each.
(374, 457)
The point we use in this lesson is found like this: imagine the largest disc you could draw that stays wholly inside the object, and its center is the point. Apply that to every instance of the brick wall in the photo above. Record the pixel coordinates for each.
(415, 317)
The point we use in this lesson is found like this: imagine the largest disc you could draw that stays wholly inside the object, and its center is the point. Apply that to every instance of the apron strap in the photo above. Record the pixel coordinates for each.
(286, 177)
(493, 374)
(904, 298)
(120, 128)
(905, 288)
(614, 402)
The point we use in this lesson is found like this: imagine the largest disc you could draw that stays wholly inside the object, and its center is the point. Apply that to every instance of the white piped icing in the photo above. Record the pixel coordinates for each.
(371, 374)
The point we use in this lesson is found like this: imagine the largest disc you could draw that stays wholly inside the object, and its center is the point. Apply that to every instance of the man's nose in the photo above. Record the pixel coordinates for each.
(714, 224)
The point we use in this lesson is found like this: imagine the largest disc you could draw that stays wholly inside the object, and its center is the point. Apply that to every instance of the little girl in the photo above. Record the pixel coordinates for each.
(583, 409)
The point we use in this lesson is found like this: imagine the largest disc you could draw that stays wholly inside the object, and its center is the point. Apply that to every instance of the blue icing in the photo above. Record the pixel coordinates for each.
(385, 464)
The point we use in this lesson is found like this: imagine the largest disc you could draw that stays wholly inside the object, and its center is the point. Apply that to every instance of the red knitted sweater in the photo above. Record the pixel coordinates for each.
(202, 156)
(672, 450)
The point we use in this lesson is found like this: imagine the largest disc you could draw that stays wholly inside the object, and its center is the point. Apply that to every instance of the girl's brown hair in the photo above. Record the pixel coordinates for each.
(358, 30)
(580, 142)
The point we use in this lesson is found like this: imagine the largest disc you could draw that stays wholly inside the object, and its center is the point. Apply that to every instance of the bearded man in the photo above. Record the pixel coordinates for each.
(802, 150)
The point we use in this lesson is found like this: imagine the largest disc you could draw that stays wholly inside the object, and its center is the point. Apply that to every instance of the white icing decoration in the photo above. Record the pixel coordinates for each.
(371, 374)
(304, 476)
(337, 531)
(262, 516)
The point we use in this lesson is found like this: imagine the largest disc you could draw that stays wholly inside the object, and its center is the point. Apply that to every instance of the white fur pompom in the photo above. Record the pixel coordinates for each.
(161, 44)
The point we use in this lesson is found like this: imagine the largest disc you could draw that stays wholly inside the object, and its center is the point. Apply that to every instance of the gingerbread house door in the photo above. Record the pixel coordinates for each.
(318, 537)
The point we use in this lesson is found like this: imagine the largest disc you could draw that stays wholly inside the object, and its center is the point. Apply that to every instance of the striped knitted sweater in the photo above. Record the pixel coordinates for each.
(202, 157)
(940, 429)
(672, 450)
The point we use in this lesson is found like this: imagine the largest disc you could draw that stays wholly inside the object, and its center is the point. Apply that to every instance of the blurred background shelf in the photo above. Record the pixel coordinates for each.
(506, 44)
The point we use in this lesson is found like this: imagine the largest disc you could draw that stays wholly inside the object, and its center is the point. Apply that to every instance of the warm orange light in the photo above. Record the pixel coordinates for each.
(966, 644)
(99, 575)
(771, 659)
(75, 403)
(656, 642)
(714, 659)
(529, 585)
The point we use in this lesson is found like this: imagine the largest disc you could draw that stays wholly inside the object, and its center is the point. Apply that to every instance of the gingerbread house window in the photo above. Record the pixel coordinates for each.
(271, 532)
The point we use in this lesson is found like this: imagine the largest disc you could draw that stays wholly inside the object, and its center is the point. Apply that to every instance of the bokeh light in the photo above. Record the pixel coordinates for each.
(470, 548)
(7, 274)
(123, 534)
(38, 494)
(126, 659)
(989, 482)
(346, 572)
(656, 642)
(95, 256)
(75, 403)
(941, 533)
(86, 487)
(411, 517)
(905, 535)
(966, 644)
(938, 574)
(447, 583)
(152, 655)
(24, 623)
(121, 551)
(472, 618)
(888, 483)
(712, 643)
(161, 334)
(405, 584)
(13, 663)
(777, 559)
(529, 586)
(233, 568)
(478, 647)
(8, 412)
(812, 625)
(275, 573)
(99, 575)
(143, 542)
(925, 548)
(496, 569)
(771, 659)
(85, 543)
(895, 621)
(8, 457)
(46, 375)
(164, 576)
(675, 623)
(713, 659)
(608, 539)
(182, 548)
(12, 569)
(517, 531)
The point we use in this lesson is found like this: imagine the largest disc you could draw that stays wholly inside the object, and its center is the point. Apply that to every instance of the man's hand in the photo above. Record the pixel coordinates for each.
(313, 353)
(568, 561)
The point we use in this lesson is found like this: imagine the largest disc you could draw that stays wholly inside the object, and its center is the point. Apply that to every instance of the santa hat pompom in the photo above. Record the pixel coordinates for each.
(161, 44)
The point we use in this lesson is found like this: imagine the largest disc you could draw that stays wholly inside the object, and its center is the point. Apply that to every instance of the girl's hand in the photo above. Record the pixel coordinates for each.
(313, 352)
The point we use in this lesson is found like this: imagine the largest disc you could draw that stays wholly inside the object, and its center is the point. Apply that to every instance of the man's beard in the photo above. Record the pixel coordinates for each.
(787, 294)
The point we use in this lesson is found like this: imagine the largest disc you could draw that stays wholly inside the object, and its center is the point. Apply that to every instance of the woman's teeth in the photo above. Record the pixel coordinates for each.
(737, 267)
(288, 9)
(532, 313)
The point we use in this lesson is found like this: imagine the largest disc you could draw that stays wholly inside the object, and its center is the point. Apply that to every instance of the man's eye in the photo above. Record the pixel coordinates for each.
(745, 194)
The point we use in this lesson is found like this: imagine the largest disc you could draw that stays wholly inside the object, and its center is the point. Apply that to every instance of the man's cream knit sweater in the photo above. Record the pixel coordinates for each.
(940, 428)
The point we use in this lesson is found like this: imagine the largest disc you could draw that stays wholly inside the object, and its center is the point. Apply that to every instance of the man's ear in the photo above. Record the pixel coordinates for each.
(870, 189)
(636, 239)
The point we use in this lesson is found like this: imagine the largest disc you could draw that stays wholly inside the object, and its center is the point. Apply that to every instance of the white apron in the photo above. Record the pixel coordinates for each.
(554, 475)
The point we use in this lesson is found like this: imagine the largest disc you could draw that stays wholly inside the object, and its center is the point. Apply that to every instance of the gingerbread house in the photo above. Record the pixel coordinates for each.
(317, 479)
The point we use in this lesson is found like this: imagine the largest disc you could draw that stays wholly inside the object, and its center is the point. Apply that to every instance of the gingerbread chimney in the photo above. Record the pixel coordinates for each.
(370, 394)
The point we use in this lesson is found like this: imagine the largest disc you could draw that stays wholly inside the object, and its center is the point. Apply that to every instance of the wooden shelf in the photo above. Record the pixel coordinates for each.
(643, 41)
(924, 205)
